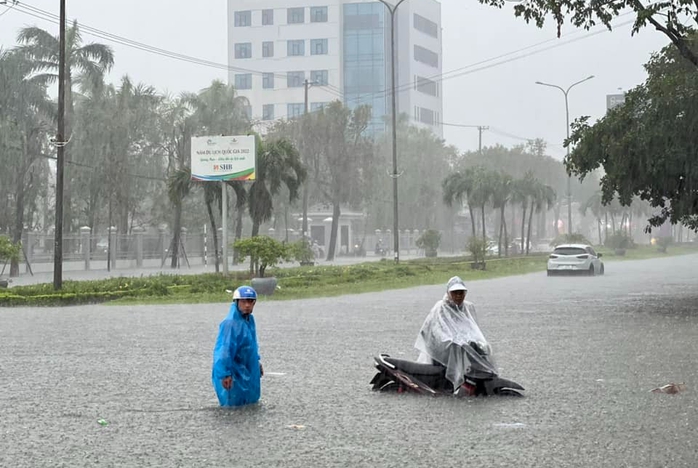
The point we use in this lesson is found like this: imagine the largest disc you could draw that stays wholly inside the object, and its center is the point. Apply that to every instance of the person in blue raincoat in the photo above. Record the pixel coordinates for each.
(237, 369)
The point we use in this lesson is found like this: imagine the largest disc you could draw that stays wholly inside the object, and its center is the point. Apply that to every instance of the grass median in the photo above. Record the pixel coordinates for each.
(293, 283)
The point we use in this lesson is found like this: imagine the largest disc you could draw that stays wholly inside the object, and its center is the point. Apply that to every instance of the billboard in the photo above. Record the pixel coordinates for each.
(218, 158)
(614, 100)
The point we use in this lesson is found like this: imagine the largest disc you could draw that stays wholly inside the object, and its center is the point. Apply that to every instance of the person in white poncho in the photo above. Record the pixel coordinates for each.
(449, 334)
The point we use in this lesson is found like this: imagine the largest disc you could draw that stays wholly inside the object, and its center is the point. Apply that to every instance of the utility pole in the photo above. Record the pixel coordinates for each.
(396, 234)
(60, 158)
(567, 114)
(306, 85)
(480, 129)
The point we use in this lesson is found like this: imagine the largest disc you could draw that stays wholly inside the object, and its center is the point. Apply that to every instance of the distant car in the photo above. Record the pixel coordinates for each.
(575, 259)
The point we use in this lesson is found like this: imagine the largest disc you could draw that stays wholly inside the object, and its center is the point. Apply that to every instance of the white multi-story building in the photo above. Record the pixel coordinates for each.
(342, 47)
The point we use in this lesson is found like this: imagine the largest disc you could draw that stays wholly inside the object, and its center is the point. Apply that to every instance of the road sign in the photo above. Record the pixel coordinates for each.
(614, 100)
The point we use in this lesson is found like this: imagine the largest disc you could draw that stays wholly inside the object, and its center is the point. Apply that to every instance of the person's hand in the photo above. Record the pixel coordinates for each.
(228, 383)
(261, 370)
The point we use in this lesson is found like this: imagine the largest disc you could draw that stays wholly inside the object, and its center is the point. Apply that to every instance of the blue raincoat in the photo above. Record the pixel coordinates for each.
(236, 355)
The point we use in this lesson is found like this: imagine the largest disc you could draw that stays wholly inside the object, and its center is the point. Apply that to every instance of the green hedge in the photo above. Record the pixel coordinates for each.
(99, 291)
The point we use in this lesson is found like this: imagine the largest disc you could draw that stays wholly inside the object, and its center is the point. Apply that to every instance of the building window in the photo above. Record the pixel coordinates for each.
(268, 112)
(295, 15)
(319, 77)
(295, 110)
(243, 81)
(295, 79)
(365, 67)
(243, 50)
(316, 106)
(426, 26)
(318, 14)
(243, 18)
(318, 47)
(426, 116)
(267, 49)
(267, 17)
(295, 48)
(268, 80)
(426, 56)
(426, 86)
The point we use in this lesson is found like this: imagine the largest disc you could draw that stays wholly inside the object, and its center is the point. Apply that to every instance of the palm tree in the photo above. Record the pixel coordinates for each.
(178, 187)
(597, 209)
(177, 127)
(542, 197)
(89, 61)
(501, 193)
(218, 110)
(278, 163)
(456, 187)
(481, 193)
(521, 193)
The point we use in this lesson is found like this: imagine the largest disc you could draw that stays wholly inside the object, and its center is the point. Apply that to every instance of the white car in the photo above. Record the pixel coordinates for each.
(575, 258)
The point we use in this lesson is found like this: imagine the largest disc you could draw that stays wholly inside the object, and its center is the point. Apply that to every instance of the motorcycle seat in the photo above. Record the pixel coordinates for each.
(414, 368)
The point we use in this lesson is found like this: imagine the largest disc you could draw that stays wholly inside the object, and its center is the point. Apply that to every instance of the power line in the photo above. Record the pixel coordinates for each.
(468, 69)
(458, 72)
(8, 8)
(50, 17)
(87, 166)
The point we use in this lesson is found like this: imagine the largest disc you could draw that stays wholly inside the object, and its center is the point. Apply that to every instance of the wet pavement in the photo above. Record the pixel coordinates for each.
(588, 351)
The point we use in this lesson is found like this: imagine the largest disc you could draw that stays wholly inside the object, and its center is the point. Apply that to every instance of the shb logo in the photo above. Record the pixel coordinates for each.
(222, 167)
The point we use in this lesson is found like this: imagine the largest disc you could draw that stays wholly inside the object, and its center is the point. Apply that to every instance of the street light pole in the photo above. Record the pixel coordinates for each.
(567, 127)
(396, 234)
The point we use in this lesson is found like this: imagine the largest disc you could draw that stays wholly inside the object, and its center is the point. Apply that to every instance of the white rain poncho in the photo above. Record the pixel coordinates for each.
(445, 337)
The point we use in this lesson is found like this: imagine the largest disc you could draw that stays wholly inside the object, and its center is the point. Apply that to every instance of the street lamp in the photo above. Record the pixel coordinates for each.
(396, 236)
(567, 114)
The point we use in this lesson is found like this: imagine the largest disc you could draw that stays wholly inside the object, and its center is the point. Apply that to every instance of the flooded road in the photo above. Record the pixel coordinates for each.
(588, 351)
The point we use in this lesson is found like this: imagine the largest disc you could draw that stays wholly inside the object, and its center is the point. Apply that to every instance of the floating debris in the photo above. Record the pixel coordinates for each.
(102, 422)
(510, 425)
(297, 427)
(671, 388)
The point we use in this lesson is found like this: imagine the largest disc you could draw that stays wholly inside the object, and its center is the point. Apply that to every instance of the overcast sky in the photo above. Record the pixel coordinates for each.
(503, 97)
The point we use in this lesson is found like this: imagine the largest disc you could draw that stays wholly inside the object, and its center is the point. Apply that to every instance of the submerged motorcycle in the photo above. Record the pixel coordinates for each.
(482, 379)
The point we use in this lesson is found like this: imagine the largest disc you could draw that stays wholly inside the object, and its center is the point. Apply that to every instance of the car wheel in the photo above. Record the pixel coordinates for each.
(591, 271)
(550, 273)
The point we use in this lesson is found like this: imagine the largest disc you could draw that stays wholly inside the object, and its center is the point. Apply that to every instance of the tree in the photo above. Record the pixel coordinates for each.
(597, 209)
(343, 153)
(423, 161)
(501, 194)
(263, 251)
(177, 128)
(25, 113)
(458, 186)
(674, 18)
(542, 197)
(522, 189)
(278, 164)
(647, 146)
(89, 61)
(218, 110)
